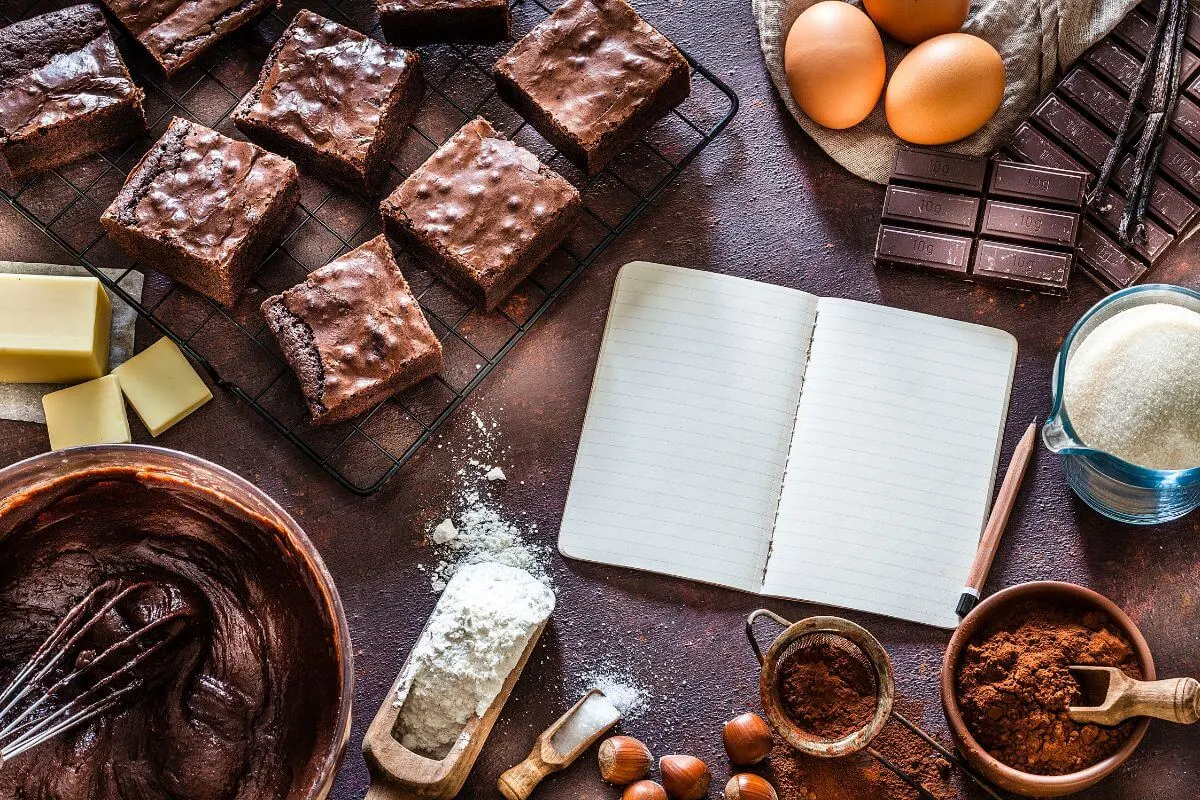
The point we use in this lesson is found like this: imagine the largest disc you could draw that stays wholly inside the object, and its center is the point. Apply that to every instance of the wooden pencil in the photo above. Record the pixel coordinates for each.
(997, 521)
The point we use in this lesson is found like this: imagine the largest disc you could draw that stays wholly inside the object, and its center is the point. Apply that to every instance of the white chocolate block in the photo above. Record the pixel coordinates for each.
(53, 329)
(161, 385)
(88, 413)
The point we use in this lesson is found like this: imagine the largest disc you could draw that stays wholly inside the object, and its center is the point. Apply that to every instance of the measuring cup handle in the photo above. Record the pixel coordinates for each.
(750, 620)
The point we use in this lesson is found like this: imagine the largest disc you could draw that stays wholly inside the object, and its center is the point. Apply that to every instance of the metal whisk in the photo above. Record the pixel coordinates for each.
(78, 674)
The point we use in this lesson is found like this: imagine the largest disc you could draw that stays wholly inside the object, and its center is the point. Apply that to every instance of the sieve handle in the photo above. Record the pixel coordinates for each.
(912, 782)
(750, 620)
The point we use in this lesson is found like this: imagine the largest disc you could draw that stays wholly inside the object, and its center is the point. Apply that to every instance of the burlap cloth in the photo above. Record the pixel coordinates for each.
(1037, 38)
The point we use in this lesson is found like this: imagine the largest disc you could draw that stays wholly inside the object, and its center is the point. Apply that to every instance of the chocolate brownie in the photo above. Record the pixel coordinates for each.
(483, 212)
(353, 333)
(592, 78)
(64, 91)
(333, 100)
(177, 32)
(203, 209)
(413, 22)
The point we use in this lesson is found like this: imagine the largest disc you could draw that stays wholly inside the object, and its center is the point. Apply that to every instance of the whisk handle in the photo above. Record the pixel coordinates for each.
(750, 620)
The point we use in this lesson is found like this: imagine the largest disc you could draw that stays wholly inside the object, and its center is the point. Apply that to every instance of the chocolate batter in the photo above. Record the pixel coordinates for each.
(248, 708)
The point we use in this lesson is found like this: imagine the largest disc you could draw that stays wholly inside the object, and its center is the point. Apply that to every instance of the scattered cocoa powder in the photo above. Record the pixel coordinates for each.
(859, 776)
(1014, 686)
(826, 691)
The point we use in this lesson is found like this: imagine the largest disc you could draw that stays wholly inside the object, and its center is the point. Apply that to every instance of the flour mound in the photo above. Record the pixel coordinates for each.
(481, 626)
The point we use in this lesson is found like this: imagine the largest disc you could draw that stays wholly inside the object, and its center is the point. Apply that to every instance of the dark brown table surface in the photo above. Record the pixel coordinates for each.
(762, 202)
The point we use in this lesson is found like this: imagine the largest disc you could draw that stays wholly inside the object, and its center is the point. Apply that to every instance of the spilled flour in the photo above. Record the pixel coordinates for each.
(619, 687)
(477, 531)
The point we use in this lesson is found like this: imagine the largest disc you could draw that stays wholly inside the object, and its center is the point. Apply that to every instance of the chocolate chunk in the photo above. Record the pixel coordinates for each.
(1114, 63)
(1027, 223)
(1029, 144)
(938, 209)
(1186, 122)
(1166, 203)
(936, 168)
(1093, 95)
(1181, 164)
(1136, 31)
(934, 251)
(1105, 260)
(1109, 210)
(1074, 130)
(1037, 183)
(1026, 267)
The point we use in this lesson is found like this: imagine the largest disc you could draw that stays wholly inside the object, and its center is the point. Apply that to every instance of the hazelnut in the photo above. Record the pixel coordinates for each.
(623, 760)
(747, 739)
(749, 787)
(644, 790)
(685, 777)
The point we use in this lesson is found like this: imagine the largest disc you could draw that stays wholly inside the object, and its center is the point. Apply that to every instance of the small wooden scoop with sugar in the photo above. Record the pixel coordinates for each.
(1115, 697)
(560, 744)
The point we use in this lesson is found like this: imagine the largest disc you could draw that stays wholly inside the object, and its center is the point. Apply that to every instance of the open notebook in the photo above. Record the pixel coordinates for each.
(761, 438)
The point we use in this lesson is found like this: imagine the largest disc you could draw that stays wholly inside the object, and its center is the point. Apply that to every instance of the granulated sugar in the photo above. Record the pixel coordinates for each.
(1132, 387)
(474, 639)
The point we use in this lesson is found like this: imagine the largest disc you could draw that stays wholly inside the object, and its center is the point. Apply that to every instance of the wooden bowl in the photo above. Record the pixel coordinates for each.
(994, 770)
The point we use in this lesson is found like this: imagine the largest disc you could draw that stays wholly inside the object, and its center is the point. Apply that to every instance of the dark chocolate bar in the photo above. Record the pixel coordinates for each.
(993, 220)
(1073, 127)
(937, 251)
(1025, 182)
(1024, 223)
(937, 209)
(936, 168)
(1026, 267)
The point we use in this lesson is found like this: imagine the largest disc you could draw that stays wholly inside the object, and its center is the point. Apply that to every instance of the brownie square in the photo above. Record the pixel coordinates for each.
(413, 22)
(64, 91)
(353, 333)
(592, 78)
(177, 32)
(333, 100)
(203, 209)
(483, 212)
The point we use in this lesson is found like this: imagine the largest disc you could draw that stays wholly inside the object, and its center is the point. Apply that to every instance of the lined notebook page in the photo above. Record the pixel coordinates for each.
(892, 462)
(687, 432)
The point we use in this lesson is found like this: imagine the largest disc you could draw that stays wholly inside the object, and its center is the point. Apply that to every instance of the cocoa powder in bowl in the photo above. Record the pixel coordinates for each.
(1014, 687)
(825, 691)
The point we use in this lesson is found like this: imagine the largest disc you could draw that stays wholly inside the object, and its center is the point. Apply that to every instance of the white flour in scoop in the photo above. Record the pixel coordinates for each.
(474, 639)
(1132, 387)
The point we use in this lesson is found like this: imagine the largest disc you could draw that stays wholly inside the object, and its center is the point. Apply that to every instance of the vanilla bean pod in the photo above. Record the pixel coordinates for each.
(1136, 91)
(1161, 106)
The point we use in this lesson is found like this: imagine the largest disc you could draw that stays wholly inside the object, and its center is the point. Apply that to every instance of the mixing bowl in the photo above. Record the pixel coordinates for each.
(24, 476)
(999, 773)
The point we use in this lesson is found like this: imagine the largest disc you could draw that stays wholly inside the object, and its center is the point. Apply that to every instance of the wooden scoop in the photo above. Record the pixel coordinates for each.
(519, 782)
(398, 773)
(1120, 697)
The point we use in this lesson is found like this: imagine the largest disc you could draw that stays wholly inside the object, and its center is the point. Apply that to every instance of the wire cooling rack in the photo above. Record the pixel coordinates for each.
(235, 347)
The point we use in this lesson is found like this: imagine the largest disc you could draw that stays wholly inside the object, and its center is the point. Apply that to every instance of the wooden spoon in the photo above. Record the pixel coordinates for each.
(1121, 697)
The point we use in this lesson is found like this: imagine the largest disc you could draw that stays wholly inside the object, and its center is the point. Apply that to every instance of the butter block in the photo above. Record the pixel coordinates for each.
(53, 328)
(161, 385)
(88, 413)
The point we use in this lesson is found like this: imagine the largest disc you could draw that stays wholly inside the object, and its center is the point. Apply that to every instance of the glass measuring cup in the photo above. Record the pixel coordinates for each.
(1112, 486)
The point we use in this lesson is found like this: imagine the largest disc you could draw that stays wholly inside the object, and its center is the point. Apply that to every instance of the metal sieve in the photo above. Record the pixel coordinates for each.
(858, 644)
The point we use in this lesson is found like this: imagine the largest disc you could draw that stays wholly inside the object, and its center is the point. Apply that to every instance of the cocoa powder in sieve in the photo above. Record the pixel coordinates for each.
(1014, 686)
(826, 691)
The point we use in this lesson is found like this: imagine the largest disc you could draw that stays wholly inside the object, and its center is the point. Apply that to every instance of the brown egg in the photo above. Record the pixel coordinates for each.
(835, 64)
(945, 89)
(914, 21)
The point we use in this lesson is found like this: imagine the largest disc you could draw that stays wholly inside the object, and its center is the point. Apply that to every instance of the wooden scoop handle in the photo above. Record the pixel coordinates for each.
(1174, 699)
(520, 781)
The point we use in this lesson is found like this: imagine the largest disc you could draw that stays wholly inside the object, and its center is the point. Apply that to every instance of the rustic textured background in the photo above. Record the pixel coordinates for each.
(762, 202)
